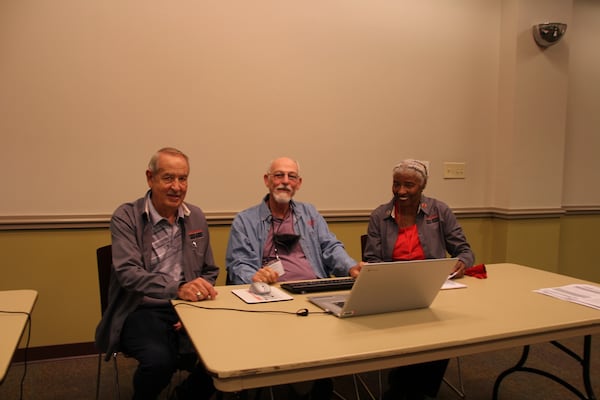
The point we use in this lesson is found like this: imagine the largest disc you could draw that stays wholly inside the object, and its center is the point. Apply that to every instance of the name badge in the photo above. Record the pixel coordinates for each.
(276, 266)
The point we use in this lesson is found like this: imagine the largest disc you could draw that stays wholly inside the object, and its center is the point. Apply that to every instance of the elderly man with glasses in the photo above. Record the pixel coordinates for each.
(281, 239)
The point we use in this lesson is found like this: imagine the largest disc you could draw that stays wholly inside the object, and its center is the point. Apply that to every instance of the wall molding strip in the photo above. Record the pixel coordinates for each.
(94, 221)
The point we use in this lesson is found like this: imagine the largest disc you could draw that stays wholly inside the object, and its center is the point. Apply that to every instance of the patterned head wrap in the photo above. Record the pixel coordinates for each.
(413, 165)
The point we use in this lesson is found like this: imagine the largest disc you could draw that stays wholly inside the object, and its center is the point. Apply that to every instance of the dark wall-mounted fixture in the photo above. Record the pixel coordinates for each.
(549, 33)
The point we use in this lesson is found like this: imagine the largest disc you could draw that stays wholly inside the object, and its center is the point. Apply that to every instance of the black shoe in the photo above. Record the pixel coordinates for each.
(197, 386)
(187, 362)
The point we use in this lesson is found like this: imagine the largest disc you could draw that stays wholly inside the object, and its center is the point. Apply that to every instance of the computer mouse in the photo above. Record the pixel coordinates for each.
(260, 288)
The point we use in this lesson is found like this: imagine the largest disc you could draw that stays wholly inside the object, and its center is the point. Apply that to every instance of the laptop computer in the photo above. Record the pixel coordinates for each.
(389, 286)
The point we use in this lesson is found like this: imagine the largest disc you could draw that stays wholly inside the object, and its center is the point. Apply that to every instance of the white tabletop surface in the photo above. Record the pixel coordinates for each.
(12, 324)
(251, 349)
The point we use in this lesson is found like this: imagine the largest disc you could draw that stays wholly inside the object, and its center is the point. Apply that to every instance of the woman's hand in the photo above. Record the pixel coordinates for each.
(459, 270)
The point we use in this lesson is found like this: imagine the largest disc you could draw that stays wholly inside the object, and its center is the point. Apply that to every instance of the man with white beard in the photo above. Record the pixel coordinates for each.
(283, 240)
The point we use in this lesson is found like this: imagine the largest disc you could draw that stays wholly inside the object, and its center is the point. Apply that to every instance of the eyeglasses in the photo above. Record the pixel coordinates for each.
(292, 176)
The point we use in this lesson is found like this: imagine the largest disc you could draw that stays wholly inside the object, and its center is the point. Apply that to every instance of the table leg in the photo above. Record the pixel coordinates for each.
(585, 371)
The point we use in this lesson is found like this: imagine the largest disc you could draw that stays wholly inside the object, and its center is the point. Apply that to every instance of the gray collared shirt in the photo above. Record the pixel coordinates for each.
(166, 243)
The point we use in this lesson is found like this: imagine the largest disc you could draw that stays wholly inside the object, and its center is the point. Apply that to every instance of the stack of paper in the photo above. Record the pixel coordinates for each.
(587, 295)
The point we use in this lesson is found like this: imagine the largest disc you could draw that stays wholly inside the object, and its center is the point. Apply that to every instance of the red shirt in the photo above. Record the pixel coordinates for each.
(408, 246)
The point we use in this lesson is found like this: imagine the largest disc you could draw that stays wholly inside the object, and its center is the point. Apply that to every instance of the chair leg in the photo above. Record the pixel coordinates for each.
(117, 394)
(116, 369)
(460, 380)
(366, 387)
(357, 379)
(98, 376)
(460, 390)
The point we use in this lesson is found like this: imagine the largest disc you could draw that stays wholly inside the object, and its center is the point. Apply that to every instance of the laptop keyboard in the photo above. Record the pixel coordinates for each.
(318, 285)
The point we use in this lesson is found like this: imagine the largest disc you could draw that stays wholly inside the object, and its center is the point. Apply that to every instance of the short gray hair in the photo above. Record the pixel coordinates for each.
(273, 160)
(153, 164)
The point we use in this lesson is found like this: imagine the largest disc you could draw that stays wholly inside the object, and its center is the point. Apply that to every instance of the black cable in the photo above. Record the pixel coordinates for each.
(303, 312)
(28, 324)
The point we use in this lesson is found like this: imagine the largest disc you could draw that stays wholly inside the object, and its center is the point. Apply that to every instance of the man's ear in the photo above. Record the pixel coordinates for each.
(148, 176)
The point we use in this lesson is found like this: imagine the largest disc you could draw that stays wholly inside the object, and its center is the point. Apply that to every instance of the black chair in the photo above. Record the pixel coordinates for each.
(363, 245)
(104, 261)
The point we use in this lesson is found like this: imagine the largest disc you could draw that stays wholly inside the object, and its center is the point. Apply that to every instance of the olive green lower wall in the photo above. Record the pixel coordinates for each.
(61, 264)
(578, 239)
(532, 242)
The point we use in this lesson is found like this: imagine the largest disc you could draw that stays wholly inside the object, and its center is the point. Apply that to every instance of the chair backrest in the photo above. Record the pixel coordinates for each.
(363, 244)
(104, 260)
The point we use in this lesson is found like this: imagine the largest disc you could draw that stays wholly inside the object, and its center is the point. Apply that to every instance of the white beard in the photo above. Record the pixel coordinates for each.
(282, 197)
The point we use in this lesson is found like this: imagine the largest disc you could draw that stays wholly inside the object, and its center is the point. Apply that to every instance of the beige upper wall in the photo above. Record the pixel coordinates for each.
(529, 144)
(545, 152)
(90, 89)
(583, 122)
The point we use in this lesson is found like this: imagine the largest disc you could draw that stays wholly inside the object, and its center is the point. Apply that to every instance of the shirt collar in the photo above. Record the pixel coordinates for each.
(422, 208)
(265, 212)
(155, 217)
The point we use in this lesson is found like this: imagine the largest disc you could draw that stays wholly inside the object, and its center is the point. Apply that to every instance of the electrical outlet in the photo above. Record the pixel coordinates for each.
(454, 170)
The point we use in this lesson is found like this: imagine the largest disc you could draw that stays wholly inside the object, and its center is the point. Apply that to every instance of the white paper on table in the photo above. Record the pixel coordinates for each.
(276, 294)
(584, 294)
(451, 284)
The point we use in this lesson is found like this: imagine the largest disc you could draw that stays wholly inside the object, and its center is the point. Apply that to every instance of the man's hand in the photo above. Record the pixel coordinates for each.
(265, 274)
(197, 290)
(354, 271)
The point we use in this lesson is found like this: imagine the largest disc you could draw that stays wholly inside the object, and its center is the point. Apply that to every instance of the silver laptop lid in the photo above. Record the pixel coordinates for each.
(390, 286)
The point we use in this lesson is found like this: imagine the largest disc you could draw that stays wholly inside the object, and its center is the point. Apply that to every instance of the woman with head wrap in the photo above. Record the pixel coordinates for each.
(415, 227)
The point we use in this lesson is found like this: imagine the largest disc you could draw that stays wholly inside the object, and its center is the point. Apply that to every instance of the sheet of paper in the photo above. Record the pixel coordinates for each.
(452, 284)
(251, 298)
(584, 294)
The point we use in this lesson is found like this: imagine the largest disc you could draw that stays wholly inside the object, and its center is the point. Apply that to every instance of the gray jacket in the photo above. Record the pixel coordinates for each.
(439, 233)
(131, 233)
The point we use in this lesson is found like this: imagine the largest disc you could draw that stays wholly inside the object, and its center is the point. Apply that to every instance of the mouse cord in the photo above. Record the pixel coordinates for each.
(303, 312)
